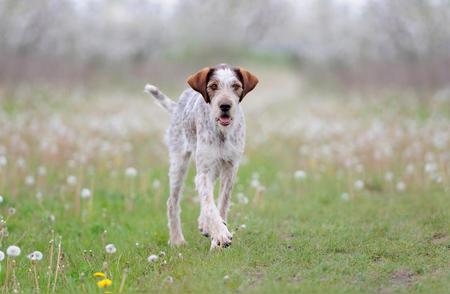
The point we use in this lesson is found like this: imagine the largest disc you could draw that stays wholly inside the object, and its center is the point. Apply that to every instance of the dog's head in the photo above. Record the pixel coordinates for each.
(223, 87)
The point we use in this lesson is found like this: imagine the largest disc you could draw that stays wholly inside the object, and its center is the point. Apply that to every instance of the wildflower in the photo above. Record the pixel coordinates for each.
(156, 184)
(104, 283)
(162, 253)
(42, 171)
(11, 211)
(345, 196)
(299, 174)
(131, 172)
(226, 277)
(71, 180)
(99, 275)
(110, 248)
(359, 185)
(3, 160)
(169, 280)
(39, 195)
(13, 251)
(35, 256)
(152, 258)
(85, 193)
(29, 180)
(388, 176)
(401, 186)
(2, 255)
(242, 199)
(243, 226)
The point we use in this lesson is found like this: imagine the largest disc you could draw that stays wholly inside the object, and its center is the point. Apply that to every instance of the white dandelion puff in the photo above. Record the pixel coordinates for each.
(401, 186)
(388, 176)
(3, 160)
(35, 256)
(85, 193)
(13, 251)
(29, 180)
(152, 258)
(359, 185)
(156, 184)
(110, 248)
(299, 174)
(42, 171)
(345, 196)
(1, 199)
(131, 172)
(11, 211)
(71, 180)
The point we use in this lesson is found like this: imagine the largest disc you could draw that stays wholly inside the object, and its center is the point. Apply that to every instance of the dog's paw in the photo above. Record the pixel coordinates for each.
(220, 236)
(203, 226)
(177, 241)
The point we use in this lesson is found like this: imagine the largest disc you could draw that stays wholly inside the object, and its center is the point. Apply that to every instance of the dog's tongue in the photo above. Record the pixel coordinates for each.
(224, 120)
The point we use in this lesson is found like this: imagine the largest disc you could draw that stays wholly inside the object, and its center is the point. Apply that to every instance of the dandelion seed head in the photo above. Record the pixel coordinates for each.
(13, 251)
(389, 176)
(85, 193)
(29, 180)
(131, 172)
(156, 184)
(152, 258)
(299, 174)
(35, 256)
(3, 161)
(401, 186)
(71, 180)
(110, 248)
(1, 199)
(345, 196)
(359, 185)
(11, 211)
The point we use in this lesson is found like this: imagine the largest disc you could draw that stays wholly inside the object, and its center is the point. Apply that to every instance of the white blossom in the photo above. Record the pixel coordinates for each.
(110, 248)
(152, 258)
(85, 193)
(13, 251)
(131, 172)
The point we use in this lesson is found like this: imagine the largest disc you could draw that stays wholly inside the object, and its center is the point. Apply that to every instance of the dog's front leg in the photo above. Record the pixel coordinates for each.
(227, 178)
(210, 221)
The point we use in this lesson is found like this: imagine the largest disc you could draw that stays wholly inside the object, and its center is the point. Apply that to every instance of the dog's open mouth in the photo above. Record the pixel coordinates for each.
(224, 120)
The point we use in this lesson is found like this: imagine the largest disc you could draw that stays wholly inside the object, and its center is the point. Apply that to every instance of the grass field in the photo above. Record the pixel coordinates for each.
(337, 194)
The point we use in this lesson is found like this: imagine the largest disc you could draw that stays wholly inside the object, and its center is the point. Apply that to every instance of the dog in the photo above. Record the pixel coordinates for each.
(207, 123)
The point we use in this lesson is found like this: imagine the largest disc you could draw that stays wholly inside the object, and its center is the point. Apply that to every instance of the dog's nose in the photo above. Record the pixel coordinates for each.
(225, 107)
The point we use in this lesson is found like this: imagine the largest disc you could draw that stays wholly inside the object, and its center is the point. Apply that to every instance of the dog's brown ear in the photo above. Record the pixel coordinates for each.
(198, 82)
(248, 79)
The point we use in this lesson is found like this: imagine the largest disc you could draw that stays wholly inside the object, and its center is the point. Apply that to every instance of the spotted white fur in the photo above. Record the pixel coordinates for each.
(195, 132)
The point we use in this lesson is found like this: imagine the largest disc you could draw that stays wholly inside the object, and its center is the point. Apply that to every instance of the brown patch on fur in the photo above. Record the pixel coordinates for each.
(248, 80)
(198, 82)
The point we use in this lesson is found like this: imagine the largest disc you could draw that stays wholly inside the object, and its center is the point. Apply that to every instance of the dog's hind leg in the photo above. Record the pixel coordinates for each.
(179, 163)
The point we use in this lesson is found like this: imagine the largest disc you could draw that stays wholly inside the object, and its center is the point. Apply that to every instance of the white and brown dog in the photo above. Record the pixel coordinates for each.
(207, 122)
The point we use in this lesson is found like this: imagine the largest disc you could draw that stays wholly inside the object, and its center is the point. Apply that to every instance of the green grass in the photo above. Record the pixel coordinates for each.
(301, 236)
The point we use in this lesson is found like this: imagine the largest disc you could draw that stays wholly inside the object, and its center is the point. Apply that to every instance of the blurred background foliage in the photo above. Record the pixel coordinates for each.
(352, 44)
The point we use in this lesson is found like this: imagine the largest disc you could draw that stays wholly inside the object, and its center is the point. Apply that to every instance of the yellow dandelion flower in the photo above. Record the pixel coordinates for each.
(99, 275)
(104, 283)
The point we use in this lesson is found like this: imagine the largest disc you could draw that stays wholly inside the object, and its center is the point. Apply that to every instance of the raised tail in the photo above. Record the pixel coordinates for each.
(163, 100)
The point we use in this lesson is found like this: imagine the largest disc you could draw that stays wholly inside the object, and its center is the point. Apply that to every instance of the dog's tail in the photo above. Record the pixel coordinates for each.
(163, 100)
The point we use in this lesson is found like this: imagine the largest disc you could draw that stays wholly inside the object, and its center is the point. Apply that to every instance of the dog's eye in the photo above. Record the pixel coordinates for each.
(236, 87)
(213, 87)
